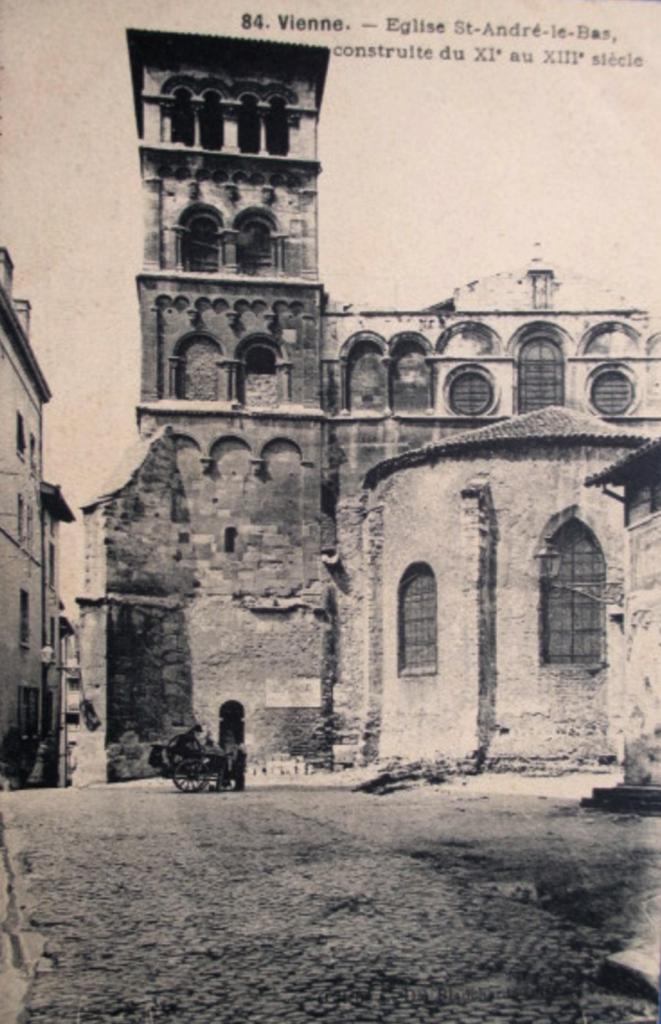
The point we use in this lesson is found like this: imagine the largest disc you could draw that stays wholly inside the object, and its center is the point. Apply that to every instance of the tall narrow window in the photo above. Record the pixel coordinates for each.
(33, 452)
(573, 627)
(51, 564)
(417, 620)
(277, 129)
(199, 243)
(541, 375)
(30, 527)
(211, 122)
(249, 127)
(230, 539)
(24, 618)
(20, 517)
(183, 118)
(20, 434)
(28, 710)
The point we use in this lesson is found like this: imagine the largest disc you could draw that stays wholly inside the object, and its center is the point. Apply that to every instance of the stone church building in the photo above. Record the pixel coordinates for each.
(330, 537)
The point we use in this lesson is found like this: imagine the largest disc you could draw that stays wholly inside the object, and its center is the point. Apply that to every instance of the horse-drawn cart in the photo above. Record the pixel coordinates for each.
(200, 768)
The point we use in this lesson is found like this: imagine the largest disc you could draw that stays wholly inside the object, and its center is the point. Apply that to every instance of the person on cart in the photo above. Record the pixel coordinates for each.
(185, 745)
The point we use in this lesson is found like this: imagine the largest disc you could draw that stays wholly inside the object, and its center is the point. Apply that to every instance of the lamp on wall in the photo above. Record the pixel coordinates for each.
(47, 655)
(549, 559)
(607, 592)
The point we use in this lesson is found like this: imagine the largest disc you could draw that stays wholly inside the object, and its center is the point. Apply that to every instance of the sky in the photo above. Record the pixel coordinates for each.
(435, 173)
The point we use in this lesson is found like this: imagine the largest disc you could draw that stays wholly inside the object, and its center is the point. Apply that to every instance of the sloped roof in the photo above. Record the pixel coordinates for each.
(54, 501)
(129, 465)
(554, 424)
(629, 465)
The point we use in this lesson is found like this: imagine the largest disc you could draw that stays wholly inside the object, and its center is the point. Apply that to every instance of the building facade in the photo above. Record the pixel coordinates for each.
(224, 574)
(638, 476)
(32, 511)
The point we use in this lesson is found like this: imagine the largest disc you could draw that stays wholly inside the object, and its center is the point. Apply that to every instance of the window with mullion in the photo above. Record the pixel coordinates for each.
(417, 620)
(572, 607)
(541, 375)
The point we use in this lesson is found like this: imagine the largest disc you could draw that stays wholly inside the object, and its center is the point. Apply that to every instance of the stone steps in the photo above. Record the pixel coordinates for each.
(640, 799)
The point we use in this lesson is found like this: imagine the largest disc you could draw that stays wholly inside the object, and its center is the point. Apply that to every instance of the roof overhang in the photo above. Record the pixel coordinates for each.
(52, 499)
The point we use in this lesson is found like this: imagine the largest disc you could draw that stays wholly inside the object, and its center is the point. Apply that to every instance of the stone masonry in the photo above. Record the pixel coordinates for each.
(239, 556)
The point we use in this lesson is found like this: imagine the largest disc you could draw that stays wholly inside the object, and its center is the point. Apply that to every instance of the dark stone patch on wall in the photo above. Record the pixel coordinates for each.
(149, 681)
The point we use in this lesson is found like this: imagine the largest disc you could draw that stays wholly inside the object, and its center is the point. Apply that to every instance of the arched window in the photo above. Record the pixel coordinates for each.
(197, 370)
(541, 375)
(410, 378)
(249, 127)
(211, 122)
(573, 626)
(468, 341)
(253, 244)
(614, 341)
(199, 242)
(417, 619)
(183, 118)
(277, 129)
(367, 380)
(260, 383)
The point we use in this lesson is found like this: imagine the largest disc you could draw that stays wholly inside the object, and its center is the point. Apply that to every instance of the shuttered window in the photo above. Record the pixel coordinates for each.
(417, 619)
(612, 393)
(573, 610)
(470, 394)
(541, 375)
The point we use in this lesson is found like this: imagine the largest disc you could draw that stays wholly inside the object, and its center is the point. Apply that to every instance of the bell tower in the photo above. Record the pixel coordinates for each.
(229, 291)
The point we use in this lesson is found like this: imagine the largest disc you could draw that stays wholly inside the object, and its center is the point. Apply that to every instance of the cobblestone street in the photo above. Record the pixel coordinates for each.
(293, 905)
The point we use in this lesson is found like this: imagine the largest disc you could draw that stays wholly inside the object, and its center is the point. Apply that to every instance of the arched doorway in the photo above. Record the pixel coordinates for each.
(231, 725)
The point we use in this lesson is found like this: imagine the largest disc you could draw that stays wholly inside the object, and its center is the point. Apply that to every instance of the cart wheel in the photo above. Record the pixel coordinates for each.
(188, 777)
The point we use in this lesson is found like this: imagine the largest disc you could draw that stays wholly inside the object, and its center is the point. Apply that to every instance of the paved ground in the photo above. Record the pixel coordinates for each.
(295, 905)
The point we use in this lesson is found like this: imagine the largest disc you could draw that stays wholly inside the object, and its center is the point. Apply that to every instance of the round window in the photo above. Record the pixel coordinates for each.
(612, 393)
(471, 394)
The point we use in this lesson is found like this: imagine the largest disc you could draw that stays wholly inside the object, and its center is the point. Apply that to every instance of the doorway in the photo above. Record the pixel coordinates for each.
(231, 726)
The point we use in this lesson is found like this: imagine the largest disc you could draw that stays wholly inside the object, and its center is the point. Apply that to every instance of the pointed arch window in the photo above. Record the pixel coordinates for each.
(183, 118)
(417, 625)
(200, 242)
(573, 617)
(211, 122)
(541, 375)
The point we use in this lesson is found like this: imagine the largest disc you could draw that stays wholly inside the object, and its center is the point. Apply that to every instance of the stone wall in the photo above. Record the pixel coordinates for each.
(212, 592)
(488, 597)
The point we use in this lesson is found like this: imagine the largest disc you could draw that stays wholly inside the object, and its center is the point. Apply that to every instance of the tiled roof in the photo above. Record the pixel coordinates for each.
(552, 424)
(625, 467)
